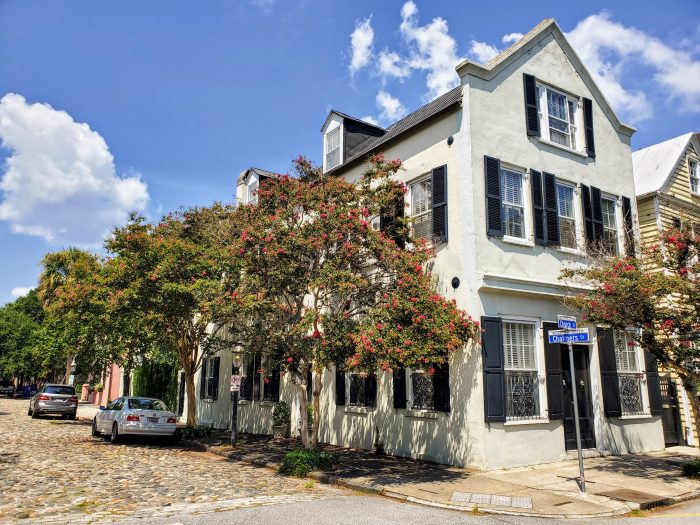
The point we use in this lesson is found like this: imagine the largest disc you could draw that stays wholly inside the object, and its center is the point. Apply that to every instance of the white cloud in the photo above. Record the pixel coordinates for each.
(481, 51)
(20, 291)
(609, 49)
(59, 181)
(391, 64)
(370, 119)
(361, 42)
(511, 38)
(390, 108)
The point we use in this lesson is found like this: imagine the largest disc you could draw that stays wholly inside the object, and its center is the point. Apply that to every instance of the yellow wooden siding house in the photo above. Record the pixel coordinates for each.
(667, 184)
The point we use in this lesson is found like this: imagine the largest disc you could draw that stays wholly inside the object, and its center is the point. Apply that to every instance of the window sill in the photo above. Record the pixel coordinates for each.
(243, 402)
(526, 422)
(209, 400)
(267, 403)
(563, 148)
(358, 410)
(572, 251)
(421, 414)
(519, 241)
(636, 416)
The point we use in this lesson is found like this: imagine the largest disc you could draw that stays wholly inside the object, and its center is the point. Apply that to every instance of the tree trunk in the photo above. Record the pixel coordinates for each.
(191, 399)
(317, 385)
(304, 430)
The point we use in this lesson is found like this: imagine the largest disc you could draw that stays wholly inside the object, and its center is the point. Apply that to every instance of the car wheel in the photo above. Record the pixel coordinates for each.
(114, 436)
(29, 411)
(71, 416)
(95, 432)
(35, 414)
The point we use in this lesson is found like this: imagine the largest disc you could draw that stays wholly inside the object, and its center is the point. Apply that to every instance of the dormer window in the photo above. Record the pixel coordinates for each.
(332, 148)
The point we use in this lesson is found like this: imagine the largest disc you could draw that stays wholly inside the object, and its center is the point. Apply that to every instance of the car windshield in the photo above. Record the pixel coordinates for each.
(146, 404)
(61, 390)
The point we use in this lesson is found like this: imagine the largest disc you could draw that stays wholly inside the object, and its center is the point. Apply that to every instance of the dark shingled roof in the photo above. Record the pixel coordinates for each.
(449, 99)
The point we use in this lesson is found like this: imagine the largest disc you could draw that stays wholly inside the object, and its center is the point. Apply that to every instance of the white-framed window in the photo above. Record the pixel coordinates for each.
(609, 242)
(211, 381)
(513, 203)
(694, 176)
(568, 237)
(521, 366)
(332, 148)
(252, 197)
(422, 208)
(559, 117)
(358, 390)
(628, 360)
(420, 389)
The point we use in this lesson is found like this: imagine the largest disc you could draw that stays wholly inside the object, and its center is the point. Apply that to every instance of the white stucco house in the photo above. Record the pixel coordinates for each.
(512, 174)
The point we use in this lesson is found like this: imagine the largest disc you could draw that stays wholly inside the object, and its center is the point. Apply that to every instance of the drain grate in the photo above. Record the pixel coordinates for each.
(643, 499)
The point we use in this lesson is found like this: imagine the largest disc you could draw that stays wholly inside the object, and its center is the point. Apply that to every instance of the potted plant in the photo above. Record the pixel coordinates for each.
(99, 387)
(280, 420)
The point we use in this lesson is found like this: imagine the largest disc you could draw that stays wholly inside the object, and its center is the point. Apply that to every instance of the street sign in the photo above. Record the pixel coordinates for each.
(566, 321)
(579, 335)
(235, 383)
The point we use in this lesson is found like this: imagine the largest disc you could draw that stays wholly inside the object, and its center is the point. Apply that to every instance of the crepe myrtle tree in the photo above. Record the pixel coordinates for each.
(317, 277)
(174, 281)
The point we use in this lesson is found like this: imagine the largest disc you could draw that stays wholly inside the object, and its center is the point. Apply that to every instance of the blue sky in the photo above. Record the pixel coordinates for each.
(160, 104)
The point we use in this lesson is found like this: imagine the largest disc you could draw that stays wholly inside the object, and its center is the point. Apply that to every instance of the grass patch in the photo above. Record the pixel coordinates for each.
(86, 505)
(637, 513)
(692, 468)
(302, 461)
(309, 484)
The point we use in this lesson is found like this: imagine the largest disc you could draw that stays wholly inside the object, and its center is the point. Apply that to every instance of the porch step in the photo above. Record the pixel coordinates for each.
(587, 453)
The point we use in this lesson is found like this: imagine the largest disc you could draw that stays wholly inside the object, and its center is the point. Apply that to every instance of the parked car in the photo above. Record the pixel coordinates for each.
(54, 399)
(143, 416)
(7, 388)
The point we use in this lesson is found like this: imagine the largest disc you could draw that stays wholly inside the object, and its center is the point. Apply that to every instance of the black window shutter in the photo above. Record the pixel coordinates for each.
(388, 222)
(588, 124)
(494, 224)
(532, 117)
(629, 225)
(597, 207)
(214, 384)
(550, 209)
(339, 386)
(653, 384)
(608, 372)
(555, 377)
(441, 388)
(247, 380)
(275, 383)
(257, 363)
(587, 212)
(439, 189)
(371, 390)
(538, 216)
(399, 384)
(494, 384)
(203, 380)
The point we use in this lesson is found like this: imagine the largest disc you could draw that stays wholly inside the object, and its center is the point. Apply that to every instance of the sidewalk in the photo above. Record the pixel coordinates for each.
(615, 484)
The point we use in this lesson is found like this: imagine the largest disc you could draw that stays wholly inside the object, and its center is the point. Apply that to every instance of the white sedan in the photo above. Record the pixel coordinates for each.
(143, 416)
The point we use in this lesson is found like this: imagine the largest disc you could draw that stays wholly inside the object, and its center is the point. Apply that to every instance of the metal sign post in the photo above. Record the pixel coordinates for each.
(582, 479)
(235, 388)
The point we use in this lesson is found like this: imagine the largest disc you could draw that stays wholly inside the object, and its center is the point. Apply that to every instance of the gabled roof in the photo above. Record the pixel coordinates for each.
(258, 171)
(348, 117)
(653, 166)
(548, 26)
(410, 121)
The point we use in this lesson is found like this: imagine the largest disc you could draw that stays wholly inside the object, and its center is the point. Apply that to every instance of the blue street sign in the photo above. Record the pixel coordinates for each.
(579, 335)
(564, 321)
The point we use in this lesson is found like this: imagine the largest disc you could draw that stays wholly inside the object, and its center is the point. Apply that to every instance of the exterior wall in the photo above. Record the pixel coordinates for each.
(679, 182)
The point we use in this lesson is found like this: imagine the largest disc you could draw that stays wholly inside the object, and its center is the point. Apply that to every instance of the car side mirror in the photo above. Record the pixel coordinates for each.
(102, 407)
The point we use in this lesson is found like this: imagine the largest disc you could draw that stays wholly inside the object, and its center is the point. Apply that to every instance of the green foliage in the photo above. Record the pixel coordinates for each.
(310, 414)
(281, 414)
(692, 468)
(194, 432)
(300, 462)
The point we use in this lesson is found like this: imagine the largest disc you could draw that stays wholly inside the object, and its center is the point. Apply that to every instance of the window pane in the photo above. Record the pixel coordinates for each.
(609, 213)
(512, 199)
(557, 105)
(631, 394)
(333, 140)
(512, 187)
(519, 345)
(625, 353)
(513, 221)
(423, 392)
(558, 131)
(358, 390)
(421, 197)
(565, 201)
(423, 226)
(333, 158)
(522, 395)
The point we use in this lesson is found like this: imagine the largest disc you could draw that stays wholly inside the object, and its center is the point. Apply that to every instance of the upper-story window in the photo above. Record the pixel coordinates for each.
(559, 116)
(512, 204)
(422, 208)
(567, 216)
(694, 176)
(332, 148)
(609, 240)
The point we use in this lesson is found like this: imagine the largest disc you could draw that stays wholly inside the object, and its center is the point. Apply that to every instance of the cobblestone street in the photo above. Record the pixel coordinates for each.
(52, 470)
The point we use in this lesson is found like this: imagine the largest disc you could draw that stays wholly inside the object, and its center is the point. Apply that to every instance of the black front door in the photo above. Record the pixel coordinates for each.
(582, 383)
(670, 417)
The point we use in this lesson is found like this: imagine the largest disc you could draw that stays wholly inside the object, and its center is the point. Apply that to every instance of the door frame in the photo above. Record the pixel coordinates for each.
(587, 348)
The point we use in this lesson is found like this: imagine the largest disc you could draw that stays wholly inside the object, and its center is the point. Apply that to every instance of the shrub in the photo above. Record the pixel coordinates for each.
(281, 414)
(197, 432)
(302, 461)
(692, 468)
(99, 387)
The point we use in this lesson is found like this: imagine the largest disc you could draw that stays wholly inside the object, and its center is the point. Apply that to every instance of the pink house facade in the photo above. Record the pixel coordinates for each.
(113, 382)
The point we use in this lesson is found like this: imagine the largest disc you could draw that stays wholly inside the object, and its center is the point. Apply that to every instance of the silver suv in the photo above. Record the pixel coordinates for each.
(54, 399)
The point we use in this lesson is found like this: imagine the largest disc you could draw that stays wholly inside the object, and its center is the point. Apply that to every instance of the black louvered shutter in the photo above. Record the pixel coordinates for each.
(532, 117)
(399, 384)
(339, 386)
(247, 380)
(550, 209)
(587, 212)
(439, 189)
(441, 388)
(653, 384)
(494, 224)
(555, 377)
(214, 383)
(538, 216)
(588, 124)
(257, 363)
(629, 225)
(388, 222)
(275, 384)
(371, 390)
(608, 372)
(597, 207)
(494, 384)
(203, 380)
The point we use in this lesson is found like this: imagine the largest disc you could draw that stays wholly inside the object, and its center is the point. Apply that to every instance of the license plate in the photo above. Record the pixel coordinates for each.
(153, 420)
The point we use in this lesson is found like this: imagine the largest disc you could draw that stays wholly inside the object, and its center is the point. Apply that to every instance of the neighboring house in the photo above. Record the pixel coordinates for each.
(114, 384)
(667, 180)
(512, 175)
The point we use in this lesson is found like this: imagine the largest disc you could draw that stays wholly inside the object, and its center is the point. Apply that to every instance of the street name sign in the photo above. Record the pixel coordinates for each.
(235, 383)
(566, 321)
(579, 335)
